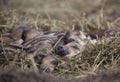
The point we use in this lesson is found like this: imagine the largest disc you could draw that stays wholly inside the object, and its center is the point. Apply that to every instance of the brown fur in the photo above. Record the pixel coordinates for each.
(48, 64)
(75, 42)
(7, 38)
(35, 45)
(76, 35)
(15, 35)
(29, 34)
(71, 50)
(24, 32)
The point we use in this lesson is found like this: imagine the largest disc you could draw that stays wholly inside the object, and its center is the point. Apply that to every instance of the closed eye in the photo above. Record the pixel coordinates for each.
(71, 40)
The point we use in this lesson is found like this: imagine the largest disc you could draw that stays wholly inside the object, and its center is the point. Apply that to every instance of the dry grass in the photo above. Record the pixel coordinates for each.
(93, 60)
(63, 15)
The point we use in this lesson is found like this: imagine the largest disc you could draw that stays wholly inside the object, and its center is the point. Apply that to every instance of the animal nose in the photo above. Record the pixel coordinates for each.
(71, 40)
(61, 48)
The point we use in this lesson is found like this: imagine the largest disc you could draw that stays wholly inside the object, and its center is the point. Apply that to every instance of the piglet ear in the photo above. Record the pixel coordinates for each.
(67, 34)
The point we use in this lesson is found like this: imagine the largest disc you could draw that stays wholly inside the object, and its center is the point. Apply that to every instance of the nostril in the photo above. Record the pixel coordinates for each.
(62, 50)
(60, 47)
(71, 40)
